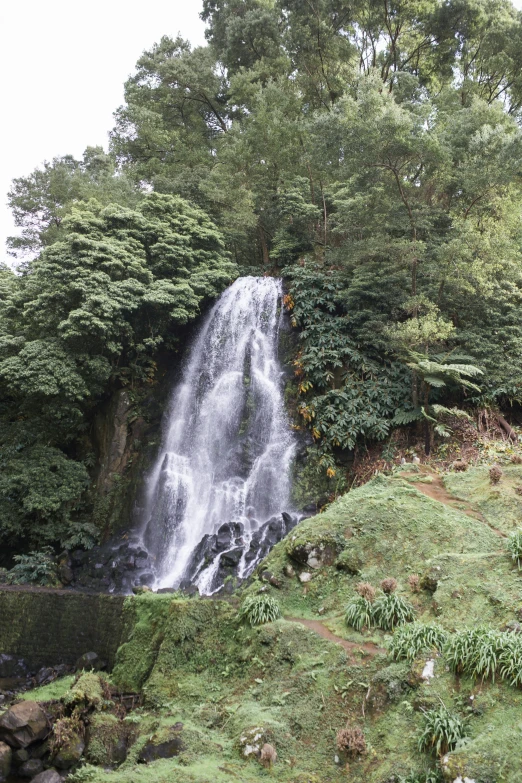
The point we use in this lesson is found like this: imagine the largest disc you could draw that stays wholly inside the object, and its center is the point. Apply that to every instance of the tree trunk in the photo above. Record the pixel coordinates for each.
(508, 429)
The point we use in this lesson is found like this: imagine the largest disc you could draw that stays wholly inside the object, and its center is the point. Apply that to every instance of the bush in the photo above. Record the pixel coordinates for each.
(359, 613)
(366, 591)
(514, 545)
(259, 609)
(495, 474)
(390, 610)
(389, 585)
(485, 653)
(351, 741)
(411, 640)
(37, 568)
(442, 731)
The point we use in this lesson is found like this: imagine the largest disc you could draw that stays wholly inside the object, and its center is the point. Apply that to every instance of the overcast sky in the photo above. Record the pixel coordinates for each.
(64, 65)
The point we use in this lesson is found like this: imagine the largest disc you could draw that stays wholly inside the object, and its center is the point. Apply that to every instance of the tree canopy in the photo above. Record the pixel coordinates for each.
(370, 152)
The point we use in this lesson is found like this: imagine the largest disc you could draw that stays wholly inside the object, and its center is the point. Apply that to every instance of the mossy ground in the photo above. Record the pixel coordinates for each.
(195, 664)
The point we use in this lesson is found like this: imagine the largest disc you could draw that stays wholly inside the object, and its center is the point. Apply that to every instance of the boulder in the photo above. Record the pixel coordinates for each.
(70, 753)
(251, 741)
(5, 760)
(23, 724)
(90, 662)
(30, 768)
(49, 776)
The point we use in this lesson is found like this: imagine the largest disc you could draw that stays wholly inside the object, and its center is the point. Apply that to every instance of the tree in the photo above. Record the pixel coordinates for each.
(86, 316)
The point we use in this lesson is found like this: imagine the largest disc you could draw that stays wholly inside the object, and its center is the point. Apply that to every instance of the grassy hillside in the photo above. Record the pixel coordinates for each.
(208, 680)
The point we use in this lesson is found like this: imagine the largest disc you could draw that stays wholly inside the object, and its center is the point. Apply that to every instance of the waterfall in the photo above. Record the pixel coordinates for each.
(219, 494)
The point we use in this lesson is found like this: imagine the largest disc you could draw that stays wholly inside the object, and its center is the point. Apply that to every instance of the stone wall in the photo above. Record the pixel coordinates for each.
(48, 627)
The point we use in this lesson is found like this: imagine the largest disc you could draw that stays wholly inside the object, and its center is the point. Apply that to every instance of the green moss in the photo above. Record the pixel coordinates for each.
(196, 665)
(52, 692)
(499, 503)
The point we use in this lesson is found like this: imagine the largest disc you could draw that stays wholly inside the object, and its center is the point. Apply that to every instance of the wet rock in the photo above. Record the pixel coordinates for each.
(30, 768)
(232, 557)
(23, 724)
(431, 579)
(90, 662)
(70, 753)
(10, 666)
(267, 576)
(49, 776)
(289, 571)
(39, 751)
(163, 750)
(314, 555)
(5, 760)
(20, 756)
(45, 675)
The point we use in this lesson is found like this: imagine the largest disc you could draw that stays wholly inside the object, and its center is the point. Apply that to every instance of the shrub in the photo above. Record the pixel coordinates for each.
(37, 568)
(389, 585)
(514, 545)
(495, 474)
(441, 732)
(485, 653)
(366, 591)
(411, 640)
(259, 609)
(359, 613)
(390, 610)
(351, 741)
(510, 660)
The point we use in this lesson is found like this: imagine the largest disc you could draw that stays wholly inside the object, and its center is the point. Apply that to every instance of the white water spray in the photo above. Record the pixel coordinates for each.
(228, 447)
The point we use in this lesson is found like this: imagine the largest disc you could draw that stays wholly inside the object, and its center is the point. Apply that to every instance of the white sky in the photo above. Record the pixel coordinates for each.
(64, 65)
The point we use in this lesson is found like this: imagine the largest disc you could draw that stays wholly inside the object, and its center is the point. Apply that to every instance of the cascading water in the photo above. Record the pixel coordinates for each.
(219, 494)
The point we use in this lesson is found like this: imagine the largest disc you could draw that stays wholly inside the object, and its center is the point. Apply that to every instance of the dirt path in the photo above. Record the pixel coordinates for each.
(320, 628)
(436, 490)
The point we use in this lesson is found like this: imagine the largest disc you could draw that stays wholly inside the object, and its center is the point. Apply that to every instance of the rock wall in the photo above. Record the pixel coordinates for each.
(49, 627)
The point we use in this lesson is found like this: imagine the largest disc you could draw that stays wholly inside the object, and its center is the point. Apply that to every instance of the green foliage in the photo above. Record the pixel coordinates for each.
(442, 731)
(84, 318)
(259, 609)
(486, 653)
(390, 610)
(359, 613)
(431, 776)
(409, 641)
(37, 568)
(386, 612)
(514, 545)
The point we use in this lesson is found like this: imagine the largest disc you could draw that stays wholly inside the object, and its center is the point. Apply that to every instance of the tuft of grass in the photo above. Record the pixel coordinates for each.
(484, 653)
(514, 545)
(390, 610)
(359, 613)
(442, 731)
(259, 609)
(410, 640)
